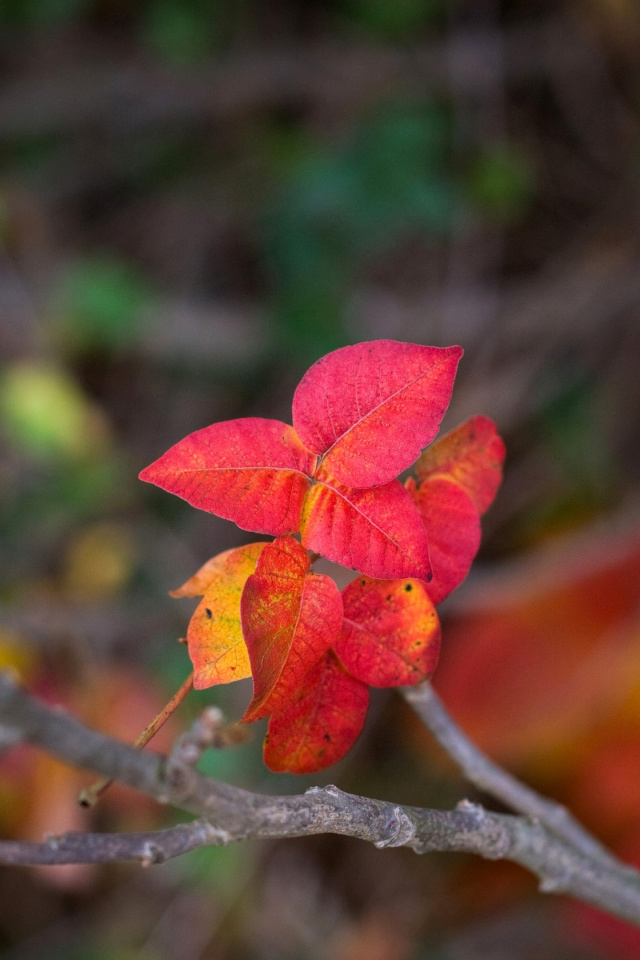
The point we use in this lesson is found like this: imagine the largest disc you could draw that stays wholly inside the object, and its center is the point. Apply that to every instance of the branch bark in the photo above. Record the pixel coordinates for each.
(226, 814)
(487, 776)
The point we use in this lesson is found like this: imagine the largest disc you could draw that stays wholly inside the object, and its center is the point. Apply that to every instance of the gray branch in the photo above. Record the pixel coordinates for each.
(487, 776)
(227, 814)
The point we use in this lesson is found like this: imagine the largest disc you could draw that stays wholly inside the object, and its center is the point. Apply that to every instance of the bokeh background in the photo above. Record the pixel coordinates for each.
(198, 198)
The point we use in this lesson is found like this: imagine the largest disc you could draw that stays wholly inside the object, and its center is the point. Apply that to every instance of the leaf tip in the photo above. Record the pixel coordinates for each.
(149, 474)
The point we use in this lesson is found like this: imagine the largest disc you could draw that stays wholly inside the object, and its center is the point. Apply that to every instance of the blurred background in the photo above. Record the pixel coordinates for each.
(197, 200)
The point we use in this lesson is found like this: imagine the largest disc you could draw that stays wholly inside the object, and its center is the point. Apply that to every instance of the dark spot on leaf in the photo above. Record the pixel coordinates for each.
(429, 577)
(327, 737)
(408, 587)
(208, 613)
(389, 597)
(363, 582)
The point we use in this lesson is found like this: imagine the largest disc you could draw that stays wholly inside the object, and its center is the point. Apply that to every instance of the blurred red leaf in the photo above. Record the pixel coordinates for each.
(552, 646)
(376, 531)
(252, 471)
(290, 618)
(369, 409)
(320, 722)
(391, 632)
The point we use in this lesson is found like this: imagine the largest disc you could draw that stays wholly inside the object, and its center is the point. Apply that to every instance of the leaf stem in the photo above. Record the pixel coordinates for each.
(89, 796)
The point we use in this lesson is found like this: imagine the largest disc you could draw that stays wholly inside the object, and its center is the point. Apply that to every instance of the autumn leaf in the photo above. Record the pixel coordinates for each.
(458, 477)
(320, 722)
(568, 612)
(472, 455)
(252, 471)
(391, 632)
(369, 409)
(231, 563)
(375, 531)
(453, 532)
(290, 618)
(214, 638)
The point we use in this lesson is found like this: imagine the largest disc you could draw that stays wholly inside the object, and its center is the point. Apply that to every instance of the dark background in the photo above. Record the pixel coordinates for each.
(197, 200)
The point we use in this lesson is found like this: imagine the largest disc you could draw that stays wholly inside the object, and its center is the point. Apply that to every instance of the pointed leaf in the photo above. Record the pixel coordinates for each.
(214, 638)
(472, 455)
(320, 722)
(369, 409)
(252, 471)
(391, 632)
(290, 618)
(453, 531)
(375, 531)
(230, 564)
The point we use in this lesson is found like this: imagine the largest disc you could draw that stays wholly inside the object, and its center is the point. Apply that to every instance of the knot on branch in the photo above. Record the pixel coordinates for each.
(216, 836)
(473, 810)
(151, 853)
(331, 794)
(401, 830)
(179, 767)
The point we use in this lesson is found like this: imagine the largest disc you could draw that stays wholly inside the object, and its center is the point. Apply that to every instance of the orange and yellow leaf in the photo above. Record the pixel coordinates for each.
(232, 563)
(214, 638)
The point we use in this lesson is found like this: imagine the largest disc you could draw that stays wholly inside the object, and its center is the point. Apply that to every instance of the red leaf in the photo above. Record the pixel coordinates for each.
(290, 618)
(214, 638)
(376, 531)
(252, 471)
(453, 532)
(472, 455)
(372, 407)
(319, 723)
(390, 633)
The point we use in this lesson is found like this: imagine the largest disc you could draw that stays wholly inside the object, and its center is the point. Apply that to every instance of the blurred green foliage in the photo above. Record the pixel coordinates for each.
(338, 208)
(395, 21)
(185, 33)
(101, 303)
(501, 182)
(44, 412)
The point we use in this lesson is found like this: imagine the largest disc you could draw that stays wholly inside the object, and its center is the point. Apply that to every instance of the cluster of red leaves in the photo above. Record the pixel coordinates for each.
(361, 415)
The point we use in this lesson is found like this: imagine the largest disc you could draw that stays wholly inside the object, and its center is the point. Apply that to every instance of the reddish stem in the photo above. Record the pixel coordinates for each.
(89, 795)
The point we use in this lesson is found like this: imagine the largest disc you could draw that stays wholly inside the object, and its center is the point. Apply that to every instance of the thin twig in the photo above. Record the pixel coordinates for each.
(90, 795)
(486, 775)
